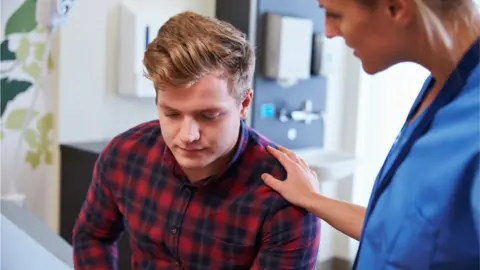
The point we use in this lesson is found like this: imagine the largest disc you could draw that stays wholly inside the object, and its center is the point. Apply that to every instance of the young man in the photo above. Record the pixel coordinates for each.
(188, 187)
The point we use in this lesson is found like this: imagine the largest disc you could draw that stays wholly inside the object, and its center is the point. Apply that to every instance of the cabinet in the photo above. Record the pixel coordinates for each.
(77, 162)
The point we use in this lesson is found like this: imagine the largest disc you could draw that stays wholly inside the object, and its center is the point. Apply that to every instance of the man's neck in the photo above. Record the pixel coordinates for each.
(212, 169)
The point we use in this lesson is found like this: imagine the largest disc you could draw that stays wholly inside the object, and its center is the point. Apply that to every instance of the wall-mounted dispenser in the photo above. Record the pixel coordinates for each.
(288, 48)
(137, 28)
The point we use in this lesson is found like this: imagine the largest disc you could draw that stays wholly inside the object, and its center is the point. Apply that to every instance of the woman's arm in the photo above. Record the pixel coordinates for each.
(343, 216)
(298, 188)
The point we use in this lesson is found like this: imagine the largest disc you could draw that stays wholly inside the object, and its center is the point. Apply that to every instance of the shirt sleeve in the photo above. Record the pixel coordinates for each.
(475, 197)
(98, 226)
(290, 240)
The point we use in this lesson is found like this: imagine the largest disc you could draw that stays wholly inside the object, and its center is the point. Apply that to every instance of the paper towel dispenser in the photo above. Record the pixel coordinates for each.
(138, 26)
(288, 48)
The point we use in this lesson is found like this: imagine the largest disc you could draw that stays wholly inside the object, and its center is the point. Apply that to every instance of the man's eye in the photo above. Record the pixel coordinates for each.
(171, 114)
(211, 116)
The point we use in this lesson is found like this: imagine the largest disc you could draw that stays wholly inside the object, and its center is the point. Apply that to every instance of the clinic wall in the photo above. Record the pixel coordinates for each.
(89, 108)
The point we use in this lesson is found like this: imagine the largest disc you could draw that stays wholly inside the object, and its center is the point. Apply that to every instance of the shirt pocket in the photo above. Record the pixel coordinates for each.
(148, 243)
(233, 240)
(414, 245)
(231, 255)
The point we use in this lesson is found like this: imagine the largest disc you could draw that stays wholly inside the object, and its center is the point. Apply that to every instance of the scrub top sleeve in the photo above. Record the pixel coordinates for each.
(475, 199)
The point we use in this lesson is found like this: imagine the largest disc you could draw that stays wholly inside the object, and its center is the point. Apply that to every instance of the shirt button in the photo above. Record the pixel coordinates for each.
(174, 230)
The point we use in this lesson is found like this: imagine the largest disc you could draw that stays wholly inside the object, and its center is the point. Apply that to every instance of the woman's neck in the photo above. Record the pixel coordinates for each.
(440, 60)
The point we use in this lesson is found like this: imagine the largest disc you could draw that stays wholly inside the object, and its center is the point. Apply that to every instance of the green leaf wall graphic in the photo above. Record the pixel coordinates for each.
(17, 118)
(23, 19)
(27, 58)
(5, 53)
(9, 90)
(39, 143)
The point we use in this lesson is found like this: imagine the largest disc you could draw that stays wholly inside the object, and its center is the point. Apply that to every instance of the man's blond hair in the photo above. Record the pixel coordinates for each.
(189, 46)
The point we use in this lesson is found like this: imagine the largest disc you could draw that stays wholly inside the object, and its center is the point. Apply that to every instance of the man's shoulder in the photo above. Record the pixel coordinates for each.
(263, 162)
(257, 155)
(134, 141)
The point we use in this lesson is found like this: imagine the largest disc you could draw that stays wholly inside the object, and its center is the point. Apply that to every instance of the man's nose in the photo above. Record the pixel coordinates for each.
(189, 131)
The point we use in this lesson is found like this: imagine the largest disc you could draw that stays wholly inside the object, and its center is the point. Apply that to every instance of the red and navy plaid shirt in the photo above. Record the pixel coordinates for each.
(231, 221)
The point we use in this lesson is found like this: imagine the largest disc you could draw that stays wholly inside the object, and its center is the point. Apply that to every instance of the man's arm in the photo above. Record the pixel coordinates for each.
(99, 225)
(290, 240)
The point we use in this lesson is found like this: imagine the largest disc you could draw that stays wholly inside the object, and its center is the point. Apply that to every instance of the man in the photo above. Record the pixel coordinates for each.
(188, 187)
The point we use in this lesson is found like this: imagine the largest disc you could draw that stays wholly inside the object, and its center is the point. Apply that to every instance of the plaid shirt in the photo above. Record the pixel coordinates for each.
(232, 221)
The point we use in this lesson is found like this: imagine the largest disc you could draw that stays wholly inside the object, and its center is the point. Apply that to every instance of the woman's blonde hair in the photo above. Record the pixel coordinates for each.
(435, 14)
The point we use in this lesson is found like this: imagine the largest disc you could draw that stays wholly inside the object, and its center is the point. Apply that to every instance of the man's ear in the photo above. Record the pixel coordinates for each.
(247, 99)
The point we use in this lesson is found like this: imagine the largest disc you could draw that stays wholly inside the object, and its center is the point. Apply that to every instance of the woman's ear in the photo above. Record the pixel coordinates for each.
(401, 12)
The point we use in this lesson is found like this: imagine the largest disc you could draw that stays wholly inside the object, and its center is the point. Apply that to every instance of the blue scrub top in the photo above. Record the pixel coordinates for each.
(424, 211)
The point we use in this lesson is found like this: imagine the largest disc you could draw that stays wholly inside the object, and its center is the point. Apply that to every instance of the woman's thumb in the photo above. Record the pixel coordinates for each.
(271, 181)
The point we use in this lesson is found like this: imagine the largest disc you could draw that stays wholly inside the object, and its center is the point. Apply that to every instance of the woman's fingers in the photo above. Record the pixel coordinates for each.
(282, 157)
(299, 181)
(289, 153)
(293, 156)
(272, 182)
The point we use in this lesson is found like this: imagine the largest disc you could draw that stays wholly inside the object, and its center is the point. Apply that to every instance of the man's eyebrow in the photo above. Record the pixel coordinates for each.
(166, 107)
(204, 110)
(212, 109)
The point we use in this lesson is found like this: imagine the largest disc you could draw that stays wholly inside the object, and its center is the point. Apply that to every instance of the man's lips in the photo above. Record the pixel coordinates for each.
(191, 150)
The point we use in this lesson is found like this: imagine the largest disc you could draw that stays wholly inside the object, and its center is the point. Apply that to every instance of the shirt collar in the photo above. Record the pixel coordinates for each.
(240, 147)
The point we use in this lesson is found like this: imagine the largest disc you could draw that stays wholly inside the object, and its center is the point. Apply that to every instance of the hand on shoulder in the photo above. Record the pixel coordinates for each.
(300, 185)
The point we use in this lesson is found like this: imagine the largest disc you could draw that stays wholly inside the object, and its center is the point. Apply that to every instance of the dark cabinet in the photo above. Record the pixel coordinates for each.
(77, 162)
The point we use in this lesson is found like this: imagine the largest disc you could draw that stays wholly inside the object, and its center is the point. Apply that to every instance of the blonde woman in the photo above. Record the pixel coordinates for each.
(425, 205)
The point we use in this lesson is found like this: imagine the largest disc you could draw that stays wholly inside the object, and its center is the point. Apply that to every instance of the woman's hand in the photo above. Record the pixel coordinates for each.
(301, 184)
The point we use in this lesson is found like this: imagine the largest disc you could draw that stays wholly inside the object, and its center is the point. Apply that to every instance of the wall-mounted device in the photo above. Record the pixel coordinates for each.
(52, 13)
(305, 115)
(317, 54)
(288, 48)
(137, 28)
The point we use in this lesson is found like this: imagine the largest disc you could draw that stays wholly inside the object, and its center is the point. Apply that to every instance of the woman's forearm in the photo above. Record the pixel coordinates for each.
(345, 217)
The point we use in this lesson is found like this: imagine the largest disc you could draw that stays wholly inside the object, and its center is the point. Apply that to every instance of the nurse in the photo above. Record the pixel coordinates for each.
(425, 205)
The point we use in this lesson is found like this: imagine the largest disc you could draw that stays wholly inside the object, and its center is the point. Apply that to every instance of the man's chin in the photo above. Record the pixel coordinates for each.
(192, 163)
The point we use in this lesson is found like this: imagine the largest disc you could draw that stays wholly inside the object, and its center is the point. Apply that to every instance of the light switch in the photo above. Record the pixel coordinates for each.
(267, 110)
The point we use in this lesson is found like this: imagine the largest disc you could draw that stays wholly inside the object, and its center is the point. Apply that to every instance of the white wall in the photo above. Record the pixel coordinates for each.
(89, 106)
(340, 133)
